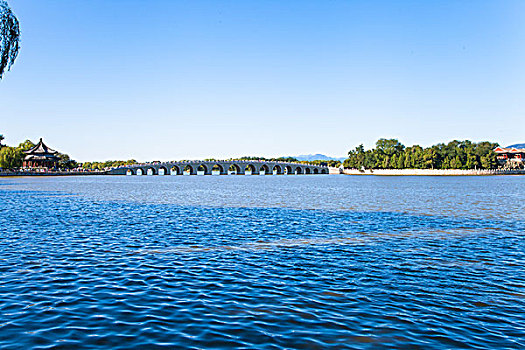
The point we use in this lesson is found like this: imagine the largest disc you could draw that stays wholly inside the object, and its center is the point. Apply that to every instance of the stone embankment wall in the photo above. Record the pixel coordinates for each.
(432, 172)
(51, 173)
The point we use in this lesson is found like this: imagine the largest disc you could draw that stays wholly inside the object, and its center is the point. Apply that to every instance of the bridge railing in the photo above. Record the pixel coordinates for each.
(219, 161)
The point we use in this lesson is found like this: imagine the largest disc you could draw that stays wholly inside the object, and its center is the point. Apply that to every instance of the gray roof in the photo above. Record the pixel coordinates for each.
(41, 152)
(41, 148)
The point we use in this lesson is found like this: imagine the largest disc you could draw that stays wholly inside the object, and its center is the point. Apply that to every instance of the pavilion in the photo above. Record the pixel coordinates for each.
(510, 157)
(41, 156)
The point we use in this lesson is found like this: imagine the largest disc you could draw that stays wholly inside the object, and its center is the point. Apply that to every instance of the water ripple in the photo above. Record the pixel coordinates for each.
(83, 268)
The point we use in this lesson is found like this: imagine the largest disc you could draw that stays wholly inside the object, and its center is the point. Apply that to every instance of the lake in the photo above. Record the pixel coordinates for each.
(262, 262)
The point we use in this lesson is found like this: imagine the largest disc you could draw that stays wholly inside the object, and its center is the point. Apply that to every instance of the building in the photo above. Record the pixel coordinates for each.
(41, 156)
(510, 157)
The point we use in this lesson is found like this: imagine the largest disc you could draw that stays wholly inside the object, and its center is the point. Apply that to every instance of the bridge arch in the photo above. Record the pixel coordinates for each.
(217, 167)
(307, 171)
(250, 168)
(324, 171)
(204, 168)
(130, 172)
(298, 170)
(175, 170)
(264, 170)
(288, 170)
(234, 169)
(277, 169)
(188, 170)
(163, 170)
(151, 171)
(316, 171)
(140, 172)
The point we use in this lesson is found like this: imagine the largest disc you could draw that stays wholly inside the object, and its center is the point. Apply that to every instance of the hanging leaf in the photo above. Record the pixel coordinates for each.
(9, 37)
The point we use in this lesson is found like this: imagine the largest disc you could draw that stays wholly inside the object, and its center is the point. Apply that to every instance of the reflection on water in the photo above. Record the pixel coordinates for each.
(262, 262)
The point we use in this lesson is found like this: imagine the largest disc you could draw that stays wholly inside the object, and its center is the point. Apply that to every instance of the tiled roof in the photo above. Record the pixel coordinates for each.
(40, 149)
(41, 152)
(509, 150)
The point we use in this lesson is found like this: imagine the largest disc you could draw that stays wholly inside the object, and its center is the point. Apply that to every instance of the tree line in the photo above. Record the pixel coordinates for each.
(391, 154)
(12, 157)
(279, 159)
(107, 164)
(331, 163)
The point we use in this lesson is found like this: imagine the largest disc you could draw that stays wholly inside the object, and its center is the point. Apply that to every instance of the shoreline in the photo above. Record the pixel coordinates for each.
(432, 172)
(27, 174)
(333, 171)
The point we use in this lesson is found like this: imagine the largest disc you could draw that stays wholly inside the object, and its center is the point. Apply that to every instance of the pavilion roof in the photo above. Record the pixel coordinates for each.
(509, 150)
(41, 150)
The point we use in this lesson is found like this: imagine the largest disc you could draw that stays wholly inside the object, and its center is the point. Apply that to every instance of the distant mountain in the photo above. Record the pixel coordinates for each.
(310, 157)
(518, 145)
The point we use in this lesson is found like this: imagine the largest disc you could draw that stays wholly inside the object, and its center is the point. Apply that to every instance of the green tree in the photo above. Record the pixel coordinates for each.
(10, 157)
(390, 153)
(385, 151)
(455, 163)
(65, 162)
(408, 159)
(472, 161)
(489, 161)
(401, 161)
(369, 160)
(26, 145)
(9, 37)
(389, 146)
(486, 154)
(429, 158)
(355, 158)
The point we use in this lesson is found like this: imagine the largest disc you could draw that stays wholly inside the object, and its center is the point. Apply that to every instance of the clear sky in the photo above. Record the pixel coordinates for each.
(168, 79)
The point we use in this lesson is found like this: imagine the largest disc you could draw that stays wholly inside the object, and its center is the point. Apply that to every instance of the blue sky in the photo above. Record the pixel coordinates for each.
(167, 79)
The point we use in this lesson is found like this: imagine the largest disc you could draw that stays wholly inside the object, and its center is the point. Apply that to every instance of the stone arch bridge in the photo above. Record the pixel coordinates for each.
(224, 167)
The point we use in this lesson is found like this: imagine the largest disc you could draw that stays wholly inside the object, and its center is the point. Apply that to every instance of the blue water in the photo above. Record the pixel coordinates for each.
(262, 262)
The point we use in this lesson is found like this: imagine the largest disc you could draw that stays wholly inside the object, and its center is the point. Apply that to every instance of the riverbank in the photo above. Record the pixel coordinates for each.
(432, 172)
(333, 171)
(54, 173)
